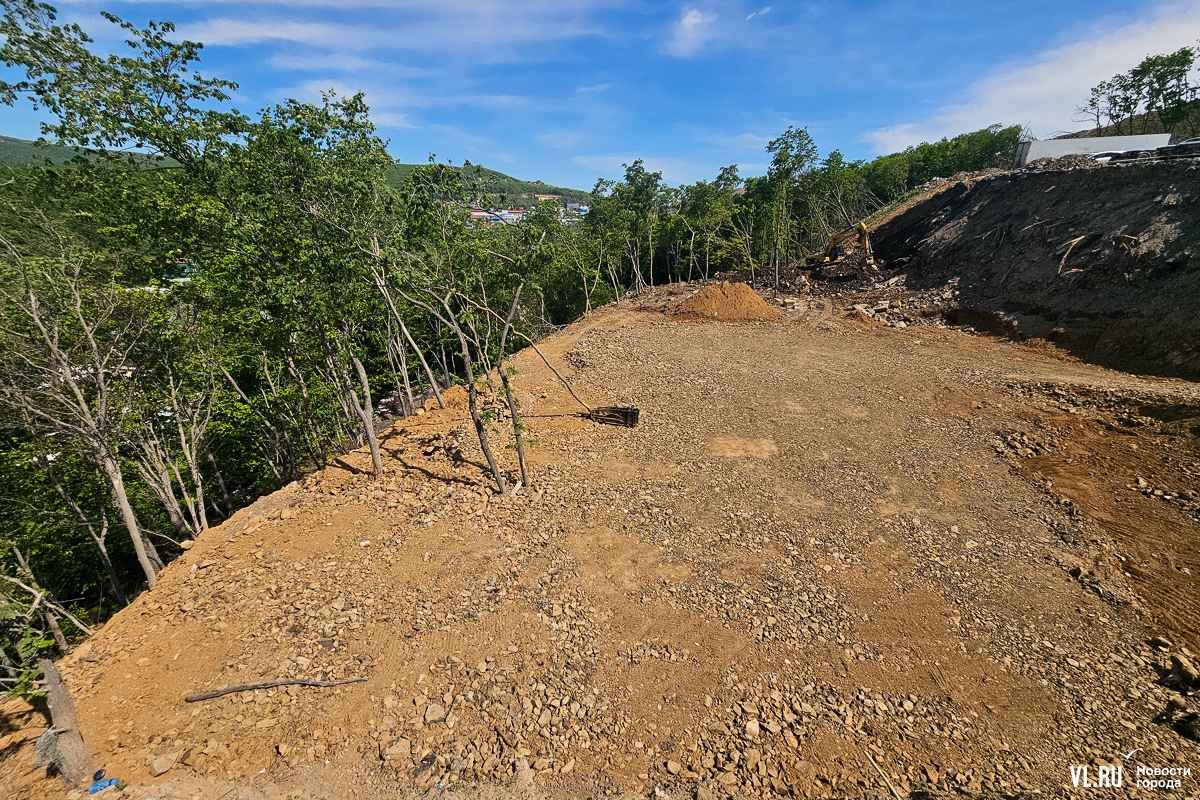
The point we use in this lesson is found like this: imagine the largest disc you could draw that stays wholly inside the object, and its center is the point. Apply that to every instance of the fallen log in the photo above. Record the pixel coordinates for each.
(63, 743)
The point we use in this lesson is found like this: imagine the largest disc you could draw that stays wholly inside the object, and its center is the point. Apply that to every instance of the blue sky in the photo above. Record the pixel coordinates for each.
(565, 91)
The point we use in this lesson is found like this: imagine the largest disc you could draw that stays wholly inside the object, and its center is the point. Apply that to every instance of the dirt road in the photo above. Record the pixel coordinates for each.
(826, 554)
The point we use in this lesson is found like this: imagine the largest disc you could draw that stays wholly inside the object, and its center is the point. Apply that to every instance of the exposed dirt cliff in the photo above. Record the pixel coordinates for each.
(1104, 262)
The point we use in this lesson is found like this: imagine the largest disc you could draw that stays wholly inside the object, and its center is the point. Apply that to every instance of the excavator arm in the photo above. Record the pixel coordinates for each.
(831, 252)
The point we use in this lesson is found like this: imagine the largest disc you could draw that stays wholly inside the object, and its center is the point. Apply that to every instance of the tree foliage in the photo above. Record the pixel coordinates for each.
(891, 176)
(1160, 94)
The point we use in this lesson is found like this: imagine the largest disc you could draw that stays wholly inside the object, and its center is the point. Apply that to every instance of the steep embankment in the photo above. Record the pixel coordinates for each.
(1105, 262)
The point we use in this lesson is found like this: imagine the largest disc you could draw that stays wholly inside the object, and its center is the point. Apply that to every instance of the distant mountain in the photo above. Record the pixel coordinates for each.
(18, 152)
(516, 192)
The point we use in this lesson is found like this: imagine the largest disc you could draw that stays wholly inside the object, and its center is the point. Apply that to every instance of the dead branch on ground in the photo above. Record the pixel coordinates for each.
(248, 687)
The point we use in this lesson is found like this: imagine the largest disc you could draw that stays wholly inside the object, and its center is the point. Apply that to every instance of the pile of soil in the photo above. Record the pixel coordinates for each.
(1071, 161)
(728, 302)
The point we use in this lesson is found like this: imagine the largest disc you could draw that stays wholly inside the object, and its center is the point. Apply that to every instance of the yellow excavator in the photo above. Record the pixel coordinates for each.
(834, 252)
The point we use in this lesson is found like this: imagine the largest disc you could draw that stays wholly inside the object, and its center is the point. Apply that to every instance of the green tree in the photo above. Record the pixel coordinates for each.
(1160, 93)
(792, 155)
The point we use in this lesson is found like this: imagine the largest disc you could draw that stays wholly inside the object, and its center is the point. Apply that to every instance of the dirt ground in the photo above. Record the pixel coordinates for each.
(833, 560)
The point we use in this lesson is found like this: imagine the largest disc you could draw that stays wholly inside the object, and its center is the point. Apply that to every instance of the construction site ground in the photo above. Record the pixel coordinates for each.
(834, 559)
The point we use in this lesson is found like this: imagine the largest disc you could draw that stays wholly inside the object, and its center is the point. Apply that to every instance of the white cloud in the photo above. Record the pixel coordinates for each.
(233, 32)
(690, 32)
(1044, 94)
(761, 12)
(539, 7)
(390, 97)
(488, 31)
(496, 100)
(377, 97)
(391, 119)
(343, 62)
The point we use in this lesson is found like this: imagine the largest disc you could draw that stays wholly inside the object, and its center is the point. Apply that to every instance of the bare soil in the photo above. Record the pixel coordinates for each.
(830, 549)
(727, 302)
(1104, 260)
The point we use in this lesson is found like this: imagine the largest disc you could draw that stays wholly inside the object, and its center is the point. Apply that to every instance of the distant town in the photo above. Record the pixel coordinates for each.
(568, 212)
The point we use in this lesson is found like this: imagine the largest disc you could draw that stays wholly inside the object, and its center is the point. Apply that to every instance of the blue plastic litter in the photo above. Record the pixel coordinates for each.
(100, 786)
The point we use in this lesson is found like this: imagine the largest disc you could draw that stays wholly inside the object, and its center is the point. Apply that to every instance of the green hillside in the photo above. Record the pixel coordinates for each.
(19, 152)
(515, 191)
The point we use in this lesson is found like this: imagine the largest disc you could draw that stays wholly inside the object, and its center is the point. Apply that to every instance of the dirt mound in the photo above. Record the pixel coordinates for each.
(728, 302)
(1071, 161)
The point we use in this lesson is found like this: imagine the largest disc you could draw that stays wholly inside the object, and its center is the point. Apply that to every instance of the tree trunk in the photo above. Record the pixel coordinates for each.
(158, 479)
(387, 297)
(112, 471)
(651, 240)
(480, 431)
(402, 355)
(102, 546)
(194, 505)
(56, 632)
(76, 762)
(509, 395)
(225, 499)
(193, 464)
(367, 412)
(473, 405)
(445, 363)
(691, 257)
(587, 296)
(6, 661)
(599, 276)
(516, 423)
(47, 615)
(97, 538)
(152, 552)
